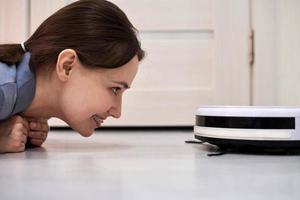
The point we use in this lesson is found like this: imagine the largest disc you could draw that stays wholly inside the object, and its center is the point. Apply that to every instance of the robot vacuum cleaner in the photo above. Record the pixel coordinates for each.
(249, 126)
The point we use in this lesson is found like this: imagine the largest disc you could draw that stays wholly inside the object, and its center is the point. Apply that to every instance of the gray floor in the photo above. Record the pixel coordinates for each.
(143, 165)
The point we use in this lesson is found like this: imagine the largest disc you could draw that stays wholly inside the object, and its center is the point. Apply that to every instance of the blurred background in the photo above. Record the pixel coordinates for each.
(199, 52)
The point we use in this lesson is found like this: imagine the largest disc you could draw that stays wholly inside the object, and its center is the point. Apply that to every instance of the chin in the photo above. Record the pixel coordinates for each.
(84, 131)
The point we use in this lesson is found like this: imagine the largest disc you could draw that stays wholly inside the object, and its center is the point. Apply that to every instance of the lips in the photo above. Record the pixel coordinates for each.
(98, 120)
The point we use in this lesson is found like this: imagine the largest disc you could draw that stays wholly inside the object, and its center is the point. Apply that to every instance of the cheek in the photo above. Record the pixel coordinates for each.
(78, 108)
(81, 104)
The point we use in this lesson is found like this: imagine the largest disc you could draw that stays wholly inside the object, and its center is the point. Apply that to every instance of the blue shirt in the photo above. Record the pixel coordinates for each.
(17, 87)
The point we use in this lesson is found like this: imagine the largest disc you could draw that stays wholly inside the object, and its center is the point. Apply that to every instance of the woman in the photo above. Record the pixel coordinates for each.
(75, 67)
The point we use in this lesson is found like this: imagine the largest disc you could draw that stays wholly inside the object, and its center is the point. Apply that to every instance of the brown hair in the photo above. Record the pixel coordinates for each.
(97, 30)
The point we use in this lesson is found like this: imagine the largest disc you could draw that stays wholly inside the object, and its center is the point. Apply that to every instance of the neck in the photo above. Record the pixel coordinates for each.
(45, 101)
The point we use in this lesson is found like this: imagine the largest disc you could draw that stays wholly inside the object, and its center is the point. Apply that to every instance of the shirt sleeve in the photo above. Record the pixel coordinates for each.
(1, 100)
(8, 96)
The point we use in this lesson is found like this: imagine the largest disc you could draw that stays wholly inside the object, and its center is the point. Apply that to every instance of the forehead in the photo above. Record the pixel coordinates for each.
(125, 72)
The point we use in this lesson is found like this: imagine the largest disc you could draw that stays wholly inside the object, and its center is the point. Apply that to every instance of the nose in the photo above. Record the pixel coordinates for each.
(116, 110)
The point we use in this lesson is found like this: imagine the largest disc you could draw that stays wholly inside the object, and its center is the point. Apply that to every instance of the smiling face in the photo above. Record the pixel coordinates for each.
(91, 95)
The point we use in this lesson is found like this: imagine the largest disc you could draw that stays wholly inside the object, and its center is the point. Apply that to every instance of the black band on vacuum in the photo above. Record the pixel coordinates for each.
(246, 122)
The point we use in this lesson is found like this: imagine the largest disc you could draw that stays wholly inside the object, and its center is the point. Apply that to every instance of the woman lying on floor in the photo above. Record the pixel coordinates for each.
(75, 67)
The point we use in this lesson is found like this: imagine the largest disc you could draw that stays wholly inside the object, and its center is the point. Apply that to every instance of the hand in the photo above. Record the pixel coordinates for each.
(13, 134)
(38, 131)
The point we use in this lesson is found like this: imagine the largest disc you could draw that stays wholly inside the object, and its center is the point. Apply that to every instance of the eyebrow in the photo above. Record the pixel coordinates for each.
(125, 85)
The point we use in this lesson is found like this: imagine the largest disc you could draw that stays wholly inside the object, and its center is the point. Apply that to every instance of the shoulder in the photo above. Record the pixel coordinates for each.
(8, 96)
(17, 87)
(8, 89)
(7, 73)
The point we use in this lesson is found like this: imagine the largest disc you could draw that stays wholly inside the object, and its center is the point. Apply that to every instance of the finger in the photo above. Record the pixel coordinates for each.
(20, 129)
(39, 126)
(22, 147)
(25, 131)
(42, 120)
(36, 142)
(37, 135)
(26, 123)
(18, 148)
(34, 123)
(19, 137)
(24, 139)
(20, 120)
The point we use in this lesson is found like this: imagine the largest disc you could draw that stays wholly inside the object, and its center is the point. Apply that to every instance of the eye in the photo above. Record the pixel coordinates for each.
(115, 90)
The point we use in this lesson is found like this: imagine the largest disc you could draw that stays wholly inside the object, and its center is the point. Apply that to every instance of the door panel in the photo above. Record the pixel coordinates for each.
(13, 21)
(168, 15)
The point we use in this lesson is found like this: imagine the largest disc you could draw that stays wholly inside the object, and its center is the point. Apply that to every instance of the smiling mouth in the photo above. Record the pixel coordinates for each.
(98, 120)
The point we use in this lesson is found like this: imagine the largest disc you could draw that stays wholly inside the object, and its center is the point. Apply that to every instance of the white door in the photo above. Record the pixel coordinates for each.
(13, 21)
(277, 46)
(197, 53)
(287, 52)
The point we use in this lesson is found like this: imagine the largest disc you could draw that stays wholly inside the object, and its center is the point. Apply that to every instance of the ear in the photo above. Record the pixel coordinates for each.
(66, 61)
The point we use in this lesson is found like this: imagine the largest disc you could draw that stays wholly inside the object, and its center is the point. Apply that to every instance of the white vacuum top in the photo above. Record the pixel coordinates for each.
(249, 111)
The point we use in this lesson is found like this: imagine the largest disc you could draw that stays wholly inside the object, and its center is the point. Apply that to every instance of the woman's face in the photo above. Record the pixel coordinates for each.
(89, 96)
